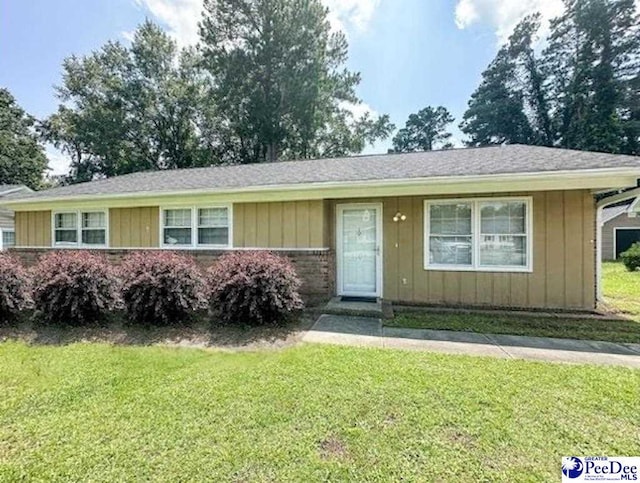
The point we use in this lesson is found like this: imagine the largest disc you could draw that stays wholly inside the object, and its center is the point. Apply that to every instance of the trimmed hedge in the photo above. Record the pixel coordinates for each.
(631, 258)
(15, 287)
(253, 288)
(159, 288)
(74, 287)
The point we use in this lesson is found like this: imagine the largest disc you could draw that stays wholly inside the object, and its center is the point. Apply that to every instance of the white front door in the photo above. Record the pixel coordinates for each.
(359, 249)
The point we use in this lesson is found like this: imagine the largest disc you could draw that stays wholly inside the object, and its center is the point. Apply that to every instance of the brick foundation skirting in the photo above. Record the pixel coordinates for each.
(316, 268)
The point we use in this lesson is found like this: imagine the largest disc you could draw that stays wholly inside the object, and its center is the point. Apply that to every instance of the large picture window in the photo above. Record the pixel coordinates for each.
(80, 229)
(196, 227)
(480, 234)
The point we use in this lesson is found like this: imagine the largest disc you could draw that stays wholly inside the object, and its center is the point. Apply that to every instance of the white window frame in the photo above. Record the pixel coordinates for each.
(2, 232)
(194, 245)
(79, 243)
(475, 235)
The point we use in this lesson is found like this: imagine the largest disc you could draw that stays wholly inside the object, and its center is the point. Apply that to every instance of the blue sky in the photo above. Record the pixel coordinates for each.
(411, 53)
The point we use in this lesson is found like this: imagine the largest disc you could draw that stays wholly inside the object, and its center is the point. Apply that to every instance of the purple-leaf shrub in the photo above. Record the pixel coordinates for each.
(161, 287)
(15, 287)
(253, 287)
(75, 287)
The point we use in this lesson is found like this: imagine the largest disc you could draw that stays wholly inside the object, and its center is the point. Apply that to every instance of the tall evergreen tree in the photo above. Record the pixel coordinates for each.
(22, 158)
(280, 85)
(496, 112)
(582, 93)
(593, 61)
(424, 131)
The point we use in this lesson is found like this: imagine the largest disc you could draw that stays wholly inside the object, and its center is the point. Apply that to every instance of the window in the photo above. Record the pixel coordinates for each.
(8, 239)
(450, 236)
(94, 228)
(482, 234)
(82, 228)
(196, 227)
(177, 227)
(213, 226)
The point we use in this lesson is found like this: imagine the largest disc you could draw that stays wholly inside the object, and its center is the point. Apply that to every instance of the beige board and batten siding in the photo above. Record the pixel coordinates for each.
(563, 274)
(623, 220)
(295, 224)
(33, 228)
(134, 227)
(290, 224)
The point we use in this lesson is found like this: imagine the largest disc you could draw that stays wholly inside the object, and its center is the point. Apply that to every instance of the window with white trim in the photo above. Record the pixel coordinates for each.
(478, 234)
(80, 228)
(196, 227)
(213, 226)
(8, 239)
(177, 227)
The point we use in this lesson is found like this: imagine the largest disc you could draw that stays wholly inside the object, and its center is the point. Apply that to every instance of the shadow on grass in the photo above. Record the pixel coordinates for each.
(199, 332)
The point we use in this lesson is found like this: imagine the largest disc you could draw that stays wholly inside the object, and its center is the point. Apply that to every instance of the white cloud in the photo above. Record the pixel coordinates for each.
(504, 15)
(351, 15)
(181, 17)
(59, 163)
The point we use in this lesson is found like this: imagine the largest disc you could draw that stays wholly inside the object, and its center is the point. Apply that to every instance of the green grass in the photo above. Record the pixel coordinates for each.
(309, 413)
(621, 289)
(566, 328)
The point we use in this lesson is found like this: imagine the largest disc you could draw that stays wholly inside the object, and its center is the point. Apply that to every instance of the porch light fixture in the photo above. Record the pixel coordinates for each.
(399, 217)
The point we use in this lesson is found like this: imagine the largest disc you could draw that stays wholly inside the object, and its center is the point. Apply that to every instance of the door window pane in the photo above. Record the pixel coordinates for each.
(359, 250)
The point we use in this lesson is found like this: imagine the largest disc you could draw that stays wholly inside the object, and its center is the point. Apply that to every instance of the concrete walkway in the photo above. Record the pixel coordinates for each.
(369, 332)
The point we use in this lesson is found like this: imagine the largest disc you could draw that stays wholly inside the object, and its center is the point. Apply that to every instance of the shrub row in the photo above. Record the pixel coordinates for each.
(154, 288)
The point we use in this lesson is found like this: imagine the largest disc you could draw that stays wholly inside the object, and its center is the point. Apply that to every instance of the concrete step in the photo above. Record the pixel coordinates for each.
(379, 309)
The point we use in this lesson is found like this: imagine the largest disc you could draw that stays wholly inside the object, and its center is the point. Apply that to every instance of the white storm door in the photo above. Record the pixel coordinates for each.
(359, 250)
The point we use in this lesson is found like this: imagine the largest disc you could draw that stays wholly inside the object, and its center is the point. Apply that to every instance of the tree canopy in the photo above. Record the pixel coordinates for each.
(581, 92)
(267, 82)
(127, 109)
(22, 158)
(280, 83)
(424, 131)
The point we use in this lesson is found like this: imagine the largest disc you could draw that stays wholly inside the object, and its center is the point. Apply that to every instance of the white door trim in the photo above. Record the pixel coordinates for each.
(379, 248)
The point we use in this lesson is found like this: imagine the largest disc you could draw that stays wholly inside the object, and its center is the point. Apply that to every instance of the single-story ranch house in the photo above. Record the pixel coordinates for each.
(504, 226)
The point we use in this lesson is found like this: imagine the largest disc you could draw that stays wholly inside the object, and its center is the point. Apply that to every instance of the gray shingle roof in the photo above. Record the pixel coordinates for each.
(11, 187)
(610, 212)
(433, 164)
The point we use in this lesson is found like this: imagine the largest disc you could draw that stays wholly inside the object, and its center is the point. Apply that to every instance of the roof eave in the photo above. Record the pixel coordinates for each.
(612, 178)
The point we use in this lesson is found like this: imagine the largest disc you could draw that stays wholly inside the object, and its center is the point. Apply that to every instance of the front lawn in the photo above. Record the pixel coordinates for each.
(621, 289)
(486, 323)
(308, 413)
